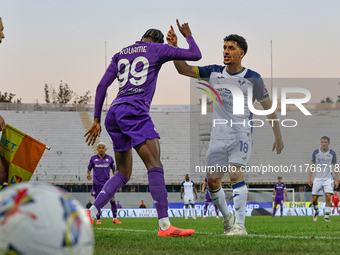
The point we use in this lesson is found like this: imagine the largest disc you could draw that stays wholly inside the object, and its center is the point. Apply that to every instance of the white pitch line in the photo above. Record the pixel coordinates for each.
(208, 233)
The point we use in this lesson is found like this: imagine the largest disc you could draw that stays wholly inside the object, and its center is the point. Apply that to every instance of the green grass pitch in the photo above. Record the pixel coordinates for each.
(266, 235)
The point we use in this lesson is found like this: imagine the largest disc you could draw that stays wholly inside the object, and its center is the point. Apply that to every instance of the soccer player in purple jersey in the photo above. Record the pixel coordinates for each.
(208, 200)
(279, 189)
(101, 164)
(128, 121)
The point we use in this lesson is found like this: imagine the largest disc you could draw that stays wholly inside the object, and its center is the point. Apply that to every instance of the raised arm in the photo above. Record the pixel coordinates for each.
(181, 66)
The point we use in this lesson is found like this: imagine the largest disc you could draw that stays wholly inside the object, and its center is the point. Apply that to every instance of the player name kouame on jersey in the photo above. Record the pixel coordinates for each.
(136, 67)
(216, 74)
(188, 188)
(323, 162)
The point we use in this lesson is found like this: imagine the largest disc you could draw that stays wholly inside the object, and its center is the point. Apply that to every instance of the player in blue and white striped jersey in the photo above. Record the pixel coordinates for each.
(230, 144)
(325, 178)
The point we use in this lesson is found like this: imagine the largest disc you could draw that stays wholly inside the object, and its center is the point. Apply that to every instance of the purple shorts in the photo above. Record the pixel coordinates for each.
(207, 197)
(96, 190)
(129, 126)
(278, 200)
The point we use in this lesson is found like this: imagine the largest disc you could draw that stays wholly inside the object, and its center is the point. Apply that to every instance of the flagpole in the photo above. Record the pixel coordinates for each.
(105, 70)
(271, 67)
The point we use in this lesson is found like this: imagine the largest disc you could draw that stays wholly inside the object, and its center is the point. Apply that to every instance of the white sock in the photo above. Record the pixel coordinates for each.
(240, 204)
(316, 209)
(186, 212)
(218, 198)
(327, 211)
(193, 211)
(93, 211)
(164, 223)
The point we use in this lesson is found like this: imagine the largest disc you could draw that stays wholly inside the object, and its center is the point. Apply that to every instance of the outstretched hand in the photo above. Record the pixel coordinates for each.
(172, 37)
(184, 29)
(93, 132)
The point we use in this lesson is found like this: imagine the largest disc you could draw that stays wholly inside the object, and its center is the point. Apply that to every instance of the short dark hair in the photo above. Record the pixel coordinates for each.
(325, 138)
(155, 34)
(239, 40)
(279, 177)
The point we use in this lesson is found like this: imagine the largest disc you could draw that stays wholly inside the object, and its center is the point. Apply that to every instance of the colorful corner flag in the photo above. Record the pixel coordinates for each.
(22, 154)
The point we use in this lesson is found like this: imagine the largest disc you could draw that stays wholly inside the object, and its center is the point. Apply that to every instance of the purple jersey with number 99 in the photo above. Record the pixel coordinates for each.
(136, 67)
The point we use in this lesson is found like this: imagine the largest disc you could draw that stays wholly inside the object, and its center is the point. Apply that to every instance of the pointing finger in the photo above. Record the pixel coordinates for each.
(179, 26)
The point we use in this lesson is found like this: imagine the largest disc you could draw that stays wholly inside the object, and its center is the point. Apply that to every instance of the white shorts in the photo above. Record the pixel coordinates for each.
(234, 151)
(189, 200)
(322, 186)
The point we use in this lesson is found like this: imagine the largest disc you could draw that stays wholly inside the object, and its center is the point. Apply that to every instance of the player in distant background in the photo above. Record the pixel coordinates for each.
(208, 200)
(323, 161)
(231, 142)
(188, 187)
(279, 189)
(128, 121)
(335, 200)
(101, 164)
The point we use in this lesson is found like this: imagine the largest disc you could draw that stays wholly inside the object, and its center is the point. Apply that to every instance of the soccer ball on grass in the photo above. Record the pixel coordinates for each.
(43, 219)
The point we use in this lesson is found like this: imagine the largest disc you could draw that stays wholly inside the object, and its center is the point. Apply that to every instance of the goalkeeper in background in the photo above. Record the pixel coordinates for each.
(101, 164)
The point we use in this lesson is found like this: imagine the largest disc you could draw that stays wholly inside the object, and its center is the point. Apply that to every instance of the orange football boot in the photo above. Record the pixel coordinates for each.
(173, 231)
(115, 221)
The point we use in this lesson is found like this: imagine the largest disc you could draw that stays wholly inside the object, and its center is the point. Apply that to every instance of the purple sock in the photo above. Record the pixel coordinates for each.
(274, 211)
(216, 210)
(205, 209)
(114, 208)
(158, 191)
(281, 210)
(109, 190)
(98, 214)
